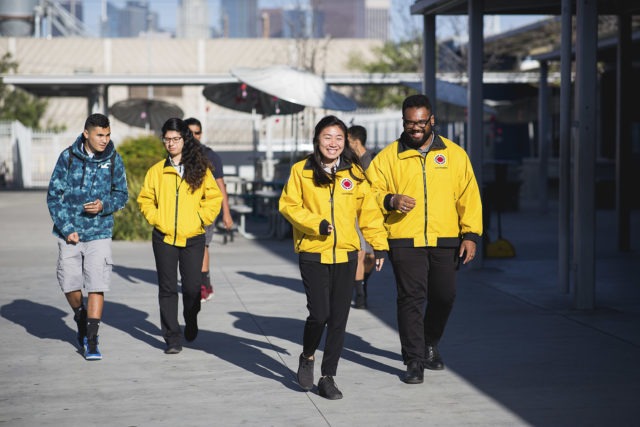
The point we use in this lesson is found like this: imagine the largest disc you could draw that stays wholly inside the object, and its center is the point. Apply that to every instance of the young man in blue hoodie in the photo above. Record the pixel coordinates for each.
(87, 186)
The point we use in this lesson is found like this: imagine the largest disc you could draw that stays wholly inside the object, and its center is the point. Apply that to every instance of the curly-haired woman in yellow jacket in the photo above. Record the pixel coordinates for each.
(324, 195)
(179, 198)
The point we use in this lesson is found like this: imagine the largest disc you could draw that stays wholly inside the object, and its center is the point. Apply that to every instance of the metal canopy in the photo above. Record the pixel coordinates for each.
(586, 14)
(518, 7)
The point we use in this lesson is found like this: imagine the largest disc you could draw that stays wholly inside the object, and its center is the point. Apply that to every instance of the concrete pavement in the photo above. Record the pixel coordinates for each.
(516, 353)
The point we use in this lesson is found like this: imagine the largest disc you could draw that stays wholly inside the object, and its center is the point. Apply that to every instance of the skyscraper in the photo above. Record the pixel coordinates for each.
(240, 18)
(133, 20)
(376, 20)
(193, 20)
(272, 21)
(339, 18)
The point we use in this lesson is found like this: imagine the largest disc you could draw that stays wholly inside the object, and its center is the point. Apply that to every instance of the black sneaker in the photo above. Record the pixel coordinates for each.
(327, 388)
(361, 296)
(433, 360)
(414, 374)
(173, 349)
(81, 322)
(305, 373)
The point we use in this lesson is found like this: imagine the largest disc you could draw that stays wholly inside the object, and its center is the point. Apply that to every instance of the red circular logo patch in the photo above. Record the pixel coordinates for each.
(440, 159)
(346, 183)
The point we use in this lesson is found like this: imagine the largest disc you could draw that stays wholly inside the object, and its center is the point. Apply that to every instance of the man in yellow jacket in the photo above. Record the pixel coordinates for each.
(426, 186)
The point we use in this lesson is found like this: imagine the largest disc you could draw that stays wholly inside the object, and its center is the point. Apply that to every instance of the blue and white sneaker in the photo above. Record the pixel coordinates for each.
(91, 350)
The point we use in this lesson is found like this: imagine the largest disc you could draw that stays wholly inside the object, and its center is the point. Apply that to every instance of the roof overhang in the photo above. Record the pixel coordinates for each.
(518, 7)
(83, 85)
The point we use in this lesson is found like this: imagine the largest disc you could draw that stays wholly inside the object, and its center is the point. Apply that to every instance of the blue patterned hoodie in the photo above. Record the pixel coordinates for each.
(83, 179)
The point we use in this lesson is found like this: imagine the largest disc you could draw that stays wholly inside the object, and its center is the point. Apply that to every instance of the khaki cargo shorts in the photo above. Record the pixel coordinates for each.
(85, 265)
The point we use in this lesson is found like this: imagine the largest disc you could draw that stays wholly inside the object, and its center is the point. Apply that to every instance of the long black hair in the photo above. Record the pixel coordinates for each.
(194, 162)
(348, 156)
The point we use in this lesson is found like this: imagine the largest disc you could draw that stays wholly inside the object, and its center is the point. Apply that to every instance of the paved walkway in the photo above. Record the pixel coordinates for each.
(516, 353)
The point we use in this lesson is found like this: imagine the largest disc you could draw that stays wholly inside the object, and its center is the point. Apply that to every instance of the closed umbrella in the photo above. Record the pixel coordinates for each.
(145, 113)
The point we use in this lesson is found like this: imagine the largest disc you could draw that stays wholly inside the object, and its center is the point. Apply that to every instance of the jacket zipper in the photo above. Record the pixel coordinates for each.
(424, 188)
(175, 224)
(300, 241)
(335, 235)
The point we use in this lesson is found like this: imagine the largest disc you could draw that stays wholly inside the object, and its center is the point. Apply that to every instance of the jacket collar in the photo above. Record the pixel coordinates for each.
(344, 164)
(79, 151)
(404, 147)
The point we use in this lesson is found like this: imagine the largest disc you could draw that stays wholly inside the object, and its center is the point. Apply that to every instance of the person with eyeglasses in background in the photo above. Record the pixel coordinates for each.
(206, 288)
(179, 198)
(433, 215)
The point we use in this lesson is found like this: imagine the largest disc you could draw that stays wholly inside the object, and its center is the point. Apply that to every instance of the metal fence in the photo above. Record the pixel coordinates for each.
(27, 157)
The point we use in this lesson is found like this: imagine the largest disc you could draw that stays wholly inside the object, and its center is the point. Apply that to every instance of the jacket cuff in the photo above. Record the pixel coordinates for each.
(472, 236)
(379, 254)
(324, 227)
(387, 202)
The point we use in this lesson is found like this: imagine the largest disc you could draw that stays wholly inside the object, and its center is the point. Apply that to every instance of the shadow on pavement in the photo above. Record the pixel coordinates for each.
(140, 274)
(41, 321)
(269, 279)
(248, 354)
(292, 329)
(133, 322)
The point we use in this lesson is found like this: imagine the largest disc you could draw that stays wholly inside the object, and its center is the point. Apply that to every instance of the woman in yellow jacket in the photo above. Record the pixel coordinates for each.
(324, 195)
(179, 198)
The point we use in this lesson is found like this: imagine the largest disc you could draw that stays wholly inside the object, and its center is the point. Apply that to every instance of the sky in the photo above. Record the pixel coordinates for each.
(401, 21)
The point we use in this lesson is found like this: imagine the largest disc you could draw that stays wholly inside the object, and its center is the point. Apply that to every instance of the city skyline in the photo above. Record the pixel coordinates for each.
(401, 25)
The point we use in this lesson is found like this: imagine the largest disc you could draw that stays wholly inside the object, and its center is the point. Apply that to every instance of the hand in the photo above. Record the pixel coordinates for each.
(94, 207)
(403, 203)
(227, 221)
(467, 250)
(73, 238)
(379, 263)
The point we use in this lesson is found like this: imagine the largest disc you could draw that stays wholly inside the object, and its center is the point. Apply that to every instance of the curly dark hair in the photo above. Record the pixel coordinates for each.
(320, 176)
(194, 162)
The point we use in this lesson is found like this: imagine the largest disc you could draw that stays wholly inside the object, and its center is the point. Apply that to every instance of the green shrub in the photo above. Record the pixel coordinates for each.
(138, 155)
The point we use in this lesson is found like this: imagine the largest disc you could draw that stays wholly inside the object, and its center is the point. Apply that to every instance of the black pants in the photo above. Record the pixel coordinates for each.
(168, 259)
(328, 288)
(423, 275)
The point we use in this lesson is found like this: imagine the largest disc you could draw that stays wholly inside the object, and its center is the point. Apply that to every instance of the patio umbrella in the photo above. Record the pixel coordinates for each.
(242, 97)
(145, 113)
(296, 86)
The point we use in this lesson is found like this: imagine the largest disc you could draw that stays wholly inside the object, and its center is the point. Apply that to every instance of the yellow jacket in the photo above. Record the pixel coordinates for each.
(167, 203)
(306, 205)
(448, 206)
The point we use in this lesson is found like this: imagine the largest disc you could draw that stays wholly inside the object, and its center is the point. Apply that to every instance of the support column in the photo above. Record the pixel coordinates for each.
(564, 160)
(585, 154)
(474, 94)
(623, 133)
(543, 138)
(429, 60)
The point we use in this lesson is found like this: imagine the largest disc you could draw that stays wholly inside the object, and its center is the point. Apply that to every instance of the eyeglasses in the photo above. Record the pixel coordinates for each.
(420, 123)
(172, 140)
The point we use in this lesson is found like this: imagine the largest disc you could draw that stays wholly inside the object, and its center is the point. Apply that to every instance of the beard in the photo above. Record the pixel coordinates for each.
(409, 141)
